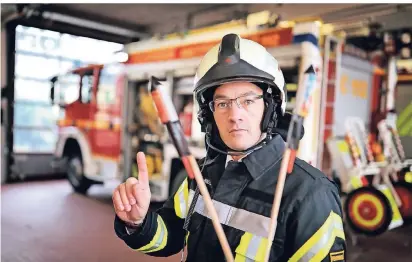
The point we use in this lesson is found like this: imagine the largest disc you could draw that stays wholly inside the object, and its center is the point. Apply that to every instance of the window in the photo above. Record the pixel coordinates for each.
(87, 89)
(29, 114)
(27, 89)
(66, 88)
(106, 95)
(37, 67)
(37, 41)
(66, 66)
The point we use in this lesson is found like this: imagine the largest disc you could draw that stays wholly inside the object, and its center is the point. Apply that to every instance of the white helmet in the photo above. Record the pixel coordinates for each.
(236, 59)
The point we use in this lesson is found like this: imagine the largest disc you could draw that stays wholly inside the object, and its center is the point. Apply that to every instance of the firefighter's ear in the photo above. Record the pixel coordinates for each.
(202, 118)
(269, 111)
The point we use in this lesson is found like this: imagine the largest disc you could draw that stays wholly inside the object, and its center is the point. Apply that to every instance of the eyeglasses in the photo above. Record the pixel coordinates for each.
(222, 105)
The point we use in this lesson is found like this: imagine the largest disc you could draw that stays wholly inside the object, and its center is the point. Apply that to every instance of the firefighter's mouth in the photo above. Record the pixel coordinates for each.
(237, 131)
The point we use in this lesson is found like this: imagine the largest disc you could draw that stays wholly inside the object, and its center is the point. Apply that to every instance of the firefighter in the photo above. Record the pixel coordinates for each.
(241, 93)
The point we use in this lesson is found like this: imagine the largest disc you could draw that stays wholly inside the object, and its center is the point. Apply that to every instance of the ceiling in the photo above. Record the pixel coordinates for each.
(126, 23)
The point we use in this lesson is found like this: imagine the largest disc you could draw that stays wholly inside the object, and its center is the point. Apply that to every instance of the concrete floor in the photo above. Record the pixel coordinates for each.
(44, 221)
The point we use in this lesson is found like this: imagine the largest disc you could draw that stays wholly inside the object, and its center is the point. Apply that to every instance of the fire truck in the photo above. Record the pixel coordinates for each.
(107, 114)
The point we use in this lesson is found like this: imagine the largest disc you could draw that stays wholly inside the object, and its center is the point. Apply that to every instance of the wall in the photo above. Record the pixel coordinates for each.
(352, 96)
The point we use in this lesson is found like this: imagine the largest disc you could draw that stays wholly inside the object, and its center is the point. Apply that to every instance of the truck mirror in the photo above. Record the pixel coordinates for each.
(53, 80)
(52, 94)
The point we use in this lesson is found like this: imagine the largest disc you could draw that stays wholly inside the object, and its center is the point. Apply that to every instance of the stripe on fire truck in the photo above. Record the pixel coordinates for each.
(268, 38)
(89, 124)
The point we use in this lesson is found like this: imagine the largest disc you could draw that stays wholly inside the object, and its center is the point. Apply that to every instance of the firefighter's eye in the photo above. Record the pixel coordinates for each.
(248, 102)
(222, 104)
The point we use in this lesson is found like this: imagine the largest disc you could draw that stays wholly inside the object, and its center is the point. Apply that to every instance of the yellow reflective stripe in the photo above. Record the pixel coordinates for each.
(318, 246)
(242, 248)
(251, 248)
(186, 197)
(164, 239)
(323, 252)
(240, 258)
(159, 240)
(181, 199)
(260, 256)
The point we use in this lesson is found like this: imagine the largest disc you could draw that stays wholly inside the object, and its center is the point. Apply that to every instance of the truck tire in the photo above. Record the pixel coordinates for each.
(75, 175)
(404, 191)
(368, 211)
(177, 181)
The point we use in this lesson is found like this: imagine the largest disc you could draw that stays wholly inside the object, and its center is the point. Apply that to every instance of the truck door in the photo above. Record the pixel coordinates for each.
(106, 138)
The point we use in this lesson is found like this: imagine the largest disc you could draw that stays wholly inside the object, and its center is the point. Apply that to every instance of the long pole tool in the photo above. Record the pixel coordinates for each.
(292, 143)
(168, 116)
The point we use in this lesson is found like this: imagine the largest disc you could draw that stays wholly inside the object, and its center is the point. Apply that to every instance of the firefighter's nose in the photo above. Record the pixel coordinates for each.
(235, 113)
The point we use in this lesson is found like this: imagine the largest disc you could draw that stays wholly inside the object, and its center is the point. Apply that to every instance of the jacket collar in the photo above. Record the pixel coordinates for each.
(259, 161)
(265, 158)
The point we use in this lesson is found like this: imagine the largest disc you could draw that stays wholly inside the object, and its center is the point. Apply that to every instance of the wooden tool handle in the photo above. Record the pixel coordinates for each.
(211, 210)
(276, 201)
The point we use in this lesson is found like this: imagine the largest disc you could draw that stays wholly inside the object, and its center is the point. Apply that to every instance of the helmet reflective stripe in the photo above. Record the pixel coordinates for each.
(253, 54)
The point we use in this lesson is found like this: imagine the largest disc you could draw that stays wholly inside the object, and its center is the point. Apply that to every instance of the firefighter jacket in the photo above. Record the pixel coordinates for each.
(309, 223)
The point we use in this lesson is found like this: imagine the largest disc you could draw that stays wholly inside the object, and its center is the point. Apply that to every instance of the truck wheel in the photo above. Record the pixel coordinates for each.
(404, 191)
(180, 177)
(75, 175)
(368, 211)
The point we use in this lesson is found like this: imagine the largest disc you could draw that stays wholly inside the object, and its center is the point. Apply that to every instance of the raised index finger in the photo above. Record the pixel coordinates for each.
(142, 167)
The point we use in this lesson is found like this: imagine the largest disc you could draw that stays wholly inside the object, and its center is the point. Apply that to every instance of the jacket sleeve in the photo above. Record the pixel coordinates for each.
(317, 229)
(161, 233)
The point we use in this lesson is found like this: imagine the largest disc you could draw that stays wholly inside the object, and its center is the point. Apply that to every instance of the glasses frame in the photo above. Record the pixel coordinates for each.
(211, 107)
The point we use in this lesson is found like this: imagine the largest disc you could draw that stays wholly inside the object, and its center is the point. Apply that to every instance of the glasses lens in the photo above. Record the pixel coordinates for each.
(221, 105)
(247, 101)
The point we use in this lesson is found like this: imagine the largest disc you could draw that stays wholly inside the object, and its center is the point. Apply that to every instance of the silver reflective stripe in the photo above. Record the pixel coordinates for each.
(182, 202)
(237, 218)
(191, 195)
(159, 240)
(253, 247)
(249, 222)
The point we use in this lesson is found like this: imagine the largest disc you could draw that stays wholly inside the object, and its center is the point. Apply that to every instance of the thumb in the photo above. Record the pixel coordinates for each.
(131, 181)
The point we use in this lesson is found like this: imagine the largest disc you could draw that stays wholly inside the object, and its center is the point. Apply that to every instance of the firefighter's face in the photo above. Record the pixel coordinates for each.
(238, 111)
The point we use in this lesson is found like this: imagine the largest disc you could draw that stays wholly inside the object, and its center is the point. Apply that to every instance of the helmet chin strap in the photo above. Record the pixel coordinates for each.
(262, 141)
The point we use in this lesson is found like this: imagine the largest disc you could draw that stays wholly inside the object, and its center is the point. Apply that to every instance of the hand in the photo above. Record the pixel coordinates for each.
(131, 199)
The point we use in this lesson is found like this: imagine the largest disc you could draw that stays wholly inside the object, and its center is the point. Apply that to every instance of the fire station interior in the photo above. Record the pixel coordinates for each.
(76, 108)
